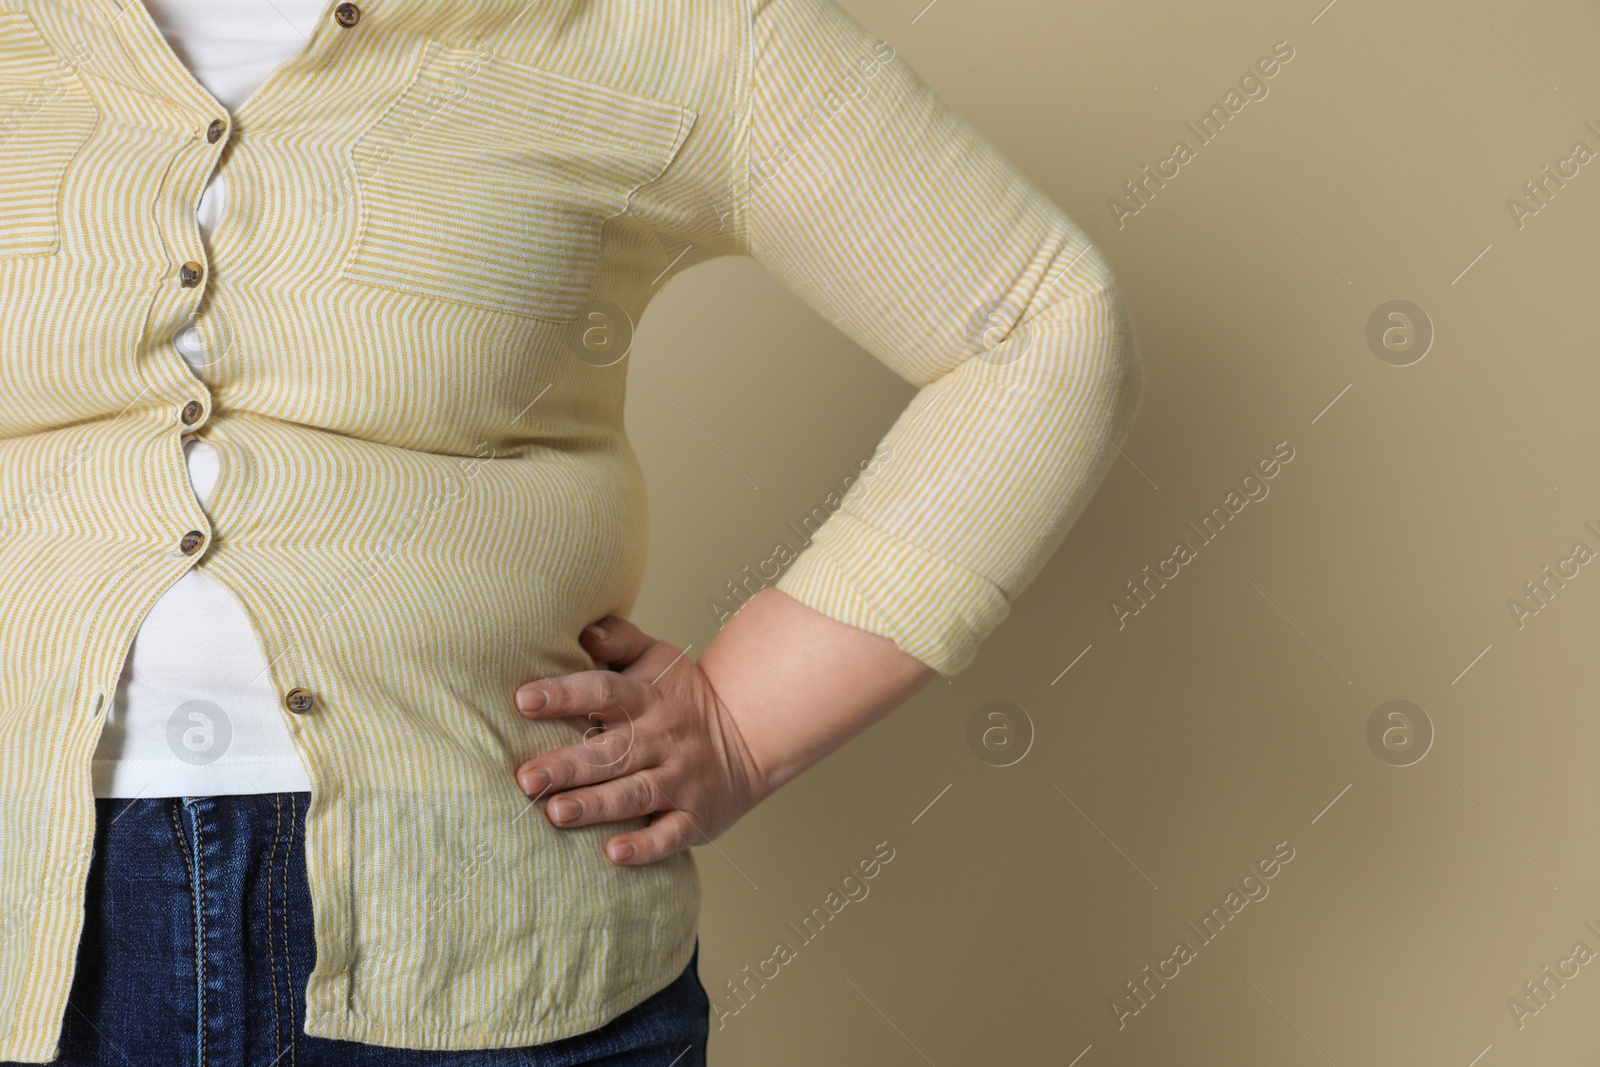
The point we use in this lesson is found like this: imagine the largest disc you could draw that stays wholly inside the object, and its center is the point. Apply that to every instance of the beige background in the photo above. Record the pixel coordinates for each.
(1232, 712)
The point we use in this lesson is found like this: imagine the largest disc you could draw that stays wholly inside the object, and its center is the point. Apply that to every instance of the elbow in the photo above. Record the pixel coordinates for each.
(1124, 374)
(1089, 356)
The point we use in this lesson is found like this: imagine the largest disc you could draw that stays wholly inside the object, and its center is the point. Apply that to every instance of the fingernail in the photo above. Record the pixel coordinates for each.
(531, 699)
(535, 782)
(595, 632)
(564, 809)
(622, 852)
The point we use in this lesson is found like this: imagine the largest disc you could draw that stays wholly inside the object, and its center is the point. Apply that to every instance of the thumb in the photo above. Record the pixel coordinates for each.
(614, 641)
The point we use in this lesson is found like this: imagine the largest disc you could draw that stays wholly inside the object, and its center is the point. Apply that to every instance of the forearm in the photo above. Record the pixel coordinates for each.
(799, 684)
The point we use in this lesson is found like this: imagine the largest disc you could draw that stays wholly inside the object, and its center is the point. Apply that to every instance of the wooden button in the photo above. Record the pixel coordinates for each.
(191, 542)
(215, 131)
(192, 412)
(190, 274)
(347, 15)
(298, 700)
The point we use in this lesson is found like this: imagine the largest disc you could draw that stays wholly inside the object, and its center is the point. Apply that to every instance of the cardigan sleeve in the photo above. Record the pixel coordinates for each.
(876, 203)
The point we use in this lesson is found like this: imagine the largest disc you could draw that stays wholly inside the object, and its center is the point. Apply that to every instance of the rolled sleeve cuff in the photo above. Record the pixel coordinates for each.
(933, 609)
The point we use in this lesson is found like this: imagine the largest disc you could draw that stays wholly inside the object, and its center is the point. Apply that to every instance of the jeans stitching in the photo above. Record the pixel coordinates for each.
(200, 936)
(288, 959)
(272, 952)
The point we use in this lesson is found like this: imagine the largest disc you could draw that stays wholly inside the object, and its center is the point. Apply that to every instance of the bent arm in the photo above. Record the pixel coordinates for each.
(865, 194)
(870, 198)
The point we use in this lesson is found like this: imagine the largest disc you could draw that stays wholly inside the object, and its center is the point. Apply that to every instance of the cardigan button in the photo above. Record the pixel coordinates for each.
(192, 412)
(297, 700)
(191, 542)
(215, 131)
(190, 274)
(347, 15)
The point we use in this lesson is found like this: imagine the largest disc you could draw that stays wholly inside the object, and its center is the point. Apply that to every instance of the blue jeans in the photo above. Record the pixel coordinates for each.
(153, 940)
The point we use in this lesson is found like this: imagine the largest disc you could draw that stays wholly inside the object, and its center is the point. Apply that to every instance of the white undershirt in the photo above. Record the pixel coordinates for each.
(193, 713)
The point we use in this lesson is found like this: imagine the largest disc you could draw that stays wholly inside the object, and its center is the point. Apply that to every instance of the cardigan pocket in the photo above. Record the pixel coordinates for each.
(46, 116)
(487, 182)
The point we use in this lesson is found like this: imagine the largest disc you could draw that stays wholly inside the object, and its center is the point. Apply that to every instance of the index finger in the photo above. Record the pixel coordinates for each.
(580, 693)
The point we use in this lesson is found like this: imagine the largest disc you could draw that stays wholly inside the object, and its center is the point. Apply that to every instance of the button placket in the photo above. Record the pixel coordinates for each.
(192, 275)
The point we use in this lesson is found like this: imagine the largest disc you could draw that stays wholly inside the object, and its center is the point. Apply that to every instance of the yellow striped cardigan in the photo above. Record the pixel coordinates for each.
(441, 218)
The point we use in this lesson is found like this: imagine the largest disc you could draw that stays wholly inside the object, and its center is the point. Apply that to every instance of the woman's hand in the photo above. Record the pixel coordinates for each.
(660, 742)
(699, 744)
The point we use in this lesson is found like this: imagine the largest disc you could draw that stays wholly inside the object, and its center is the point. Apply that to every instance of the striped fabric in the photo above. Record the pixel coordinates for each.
(435, 215)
